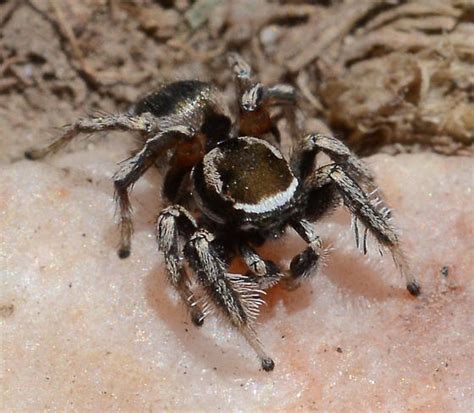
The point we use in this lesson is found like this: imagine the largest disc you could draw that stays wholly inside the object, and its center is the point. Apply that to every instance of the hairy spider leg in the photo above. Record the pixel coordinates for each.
(133, 168)
(241, 71)
(252, 93)
(174, 227)
(238, 298)
(106, 122)
(196, 103)
(324, 186)
(375, 221)
(304, 158)
(361, 206)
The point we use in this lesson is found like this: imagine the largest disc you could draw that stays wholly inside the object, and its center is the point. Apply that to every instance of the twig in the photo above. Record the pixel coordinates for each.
(8, 11)
(7, 83)
(203, 56)
(302, 82)
(76, 58)
(335, 28)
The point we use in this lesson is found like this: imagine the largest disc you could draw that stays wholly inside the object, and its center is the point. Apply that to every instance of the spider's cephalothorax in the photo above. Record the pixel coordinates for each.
(243, 190)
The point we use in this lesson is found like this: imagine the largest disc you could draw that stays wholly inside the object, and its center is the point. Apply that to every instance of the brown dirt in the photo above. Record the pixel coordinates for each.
(383, 75)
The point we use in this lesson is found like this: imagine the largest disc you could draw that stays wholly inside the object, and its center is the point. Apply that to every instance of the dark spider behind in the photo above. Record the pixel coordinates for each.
(228, 192)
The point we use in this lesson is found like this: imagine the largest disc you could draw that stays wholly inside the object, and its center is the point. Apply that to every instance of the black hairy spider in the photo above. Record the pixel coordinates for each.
(244, 191)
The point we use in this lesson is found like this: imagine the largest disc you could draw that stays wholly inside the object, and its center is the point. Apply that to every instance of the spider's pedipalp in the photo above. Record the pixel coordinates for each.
(264, 273)
(304, 264)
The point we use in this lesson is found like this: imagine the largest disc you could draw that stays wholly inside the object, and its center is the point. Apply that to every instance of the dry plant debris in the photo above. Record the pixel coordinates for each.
(391, 75)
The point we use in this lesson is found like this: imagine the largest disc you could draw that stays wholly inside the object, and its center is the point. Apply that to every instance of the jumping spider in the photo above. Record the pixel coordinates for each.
(243, 188)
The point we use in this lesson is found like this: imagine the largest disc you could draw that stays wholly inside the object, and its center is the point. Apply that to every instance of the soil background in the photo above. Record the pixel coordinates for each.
(392, 76)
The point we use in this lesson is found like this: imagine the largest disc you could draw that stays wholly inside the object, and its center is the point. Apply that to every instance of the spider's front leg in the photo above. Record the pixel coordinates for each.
(304, 157)
(132, 169)
(325, 186)
(107, 122)
(235, 295)
(331, 178)
(173, 227)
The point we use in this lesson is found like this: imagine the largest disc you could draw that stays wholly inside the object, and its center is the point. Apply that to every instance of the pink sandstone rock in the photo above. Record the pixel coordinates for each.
(82, 330)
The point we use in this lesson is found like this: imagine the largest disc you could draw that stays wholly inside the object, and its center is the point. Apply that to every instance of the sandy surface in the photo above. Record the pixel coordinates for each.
(82, 330)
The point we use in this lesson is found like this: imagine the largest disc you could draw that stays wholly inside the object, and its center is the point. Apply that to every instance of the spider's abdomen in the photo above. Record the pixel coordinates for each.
(245, 181)
(193, 103)
(173, 98)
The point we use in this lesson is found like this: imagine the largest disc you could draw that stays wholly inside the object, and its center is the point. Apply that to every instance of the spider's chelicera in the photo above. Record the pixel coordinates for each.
(243, 190)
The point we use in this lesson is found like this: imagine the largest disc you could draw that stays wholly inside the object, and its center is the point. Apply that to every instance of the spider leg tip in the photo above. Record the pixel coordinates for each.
(123, 252)
(31, 154)
(197, 319)
(268, 364)
(414, 288)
